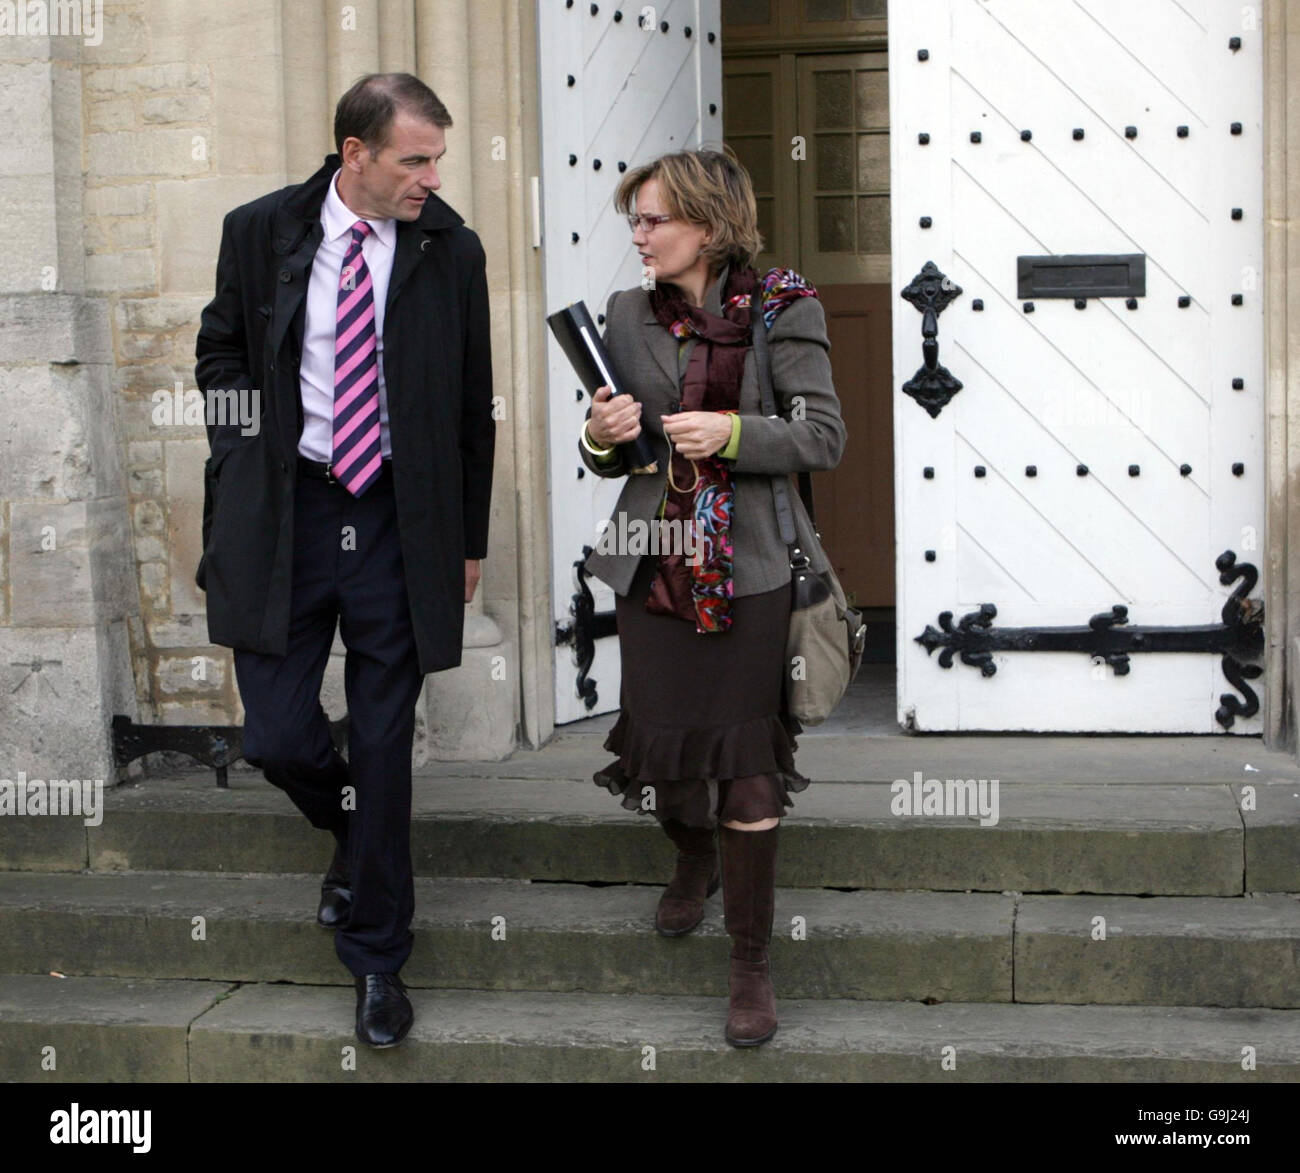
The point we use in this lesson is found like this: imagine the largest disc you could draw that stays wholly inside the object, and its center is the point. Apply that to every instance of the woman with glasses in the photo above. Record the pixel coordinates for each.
(703, 739)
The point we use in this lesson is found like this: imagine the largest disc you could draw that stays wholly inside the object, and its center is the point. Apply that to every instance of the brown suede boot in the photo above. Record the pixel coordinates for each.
(748, 896)
(681, 907)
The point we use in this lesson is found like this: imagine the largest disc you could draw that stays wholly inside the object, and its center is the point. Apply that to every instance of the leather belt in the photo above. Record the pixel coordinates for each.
(320, 470)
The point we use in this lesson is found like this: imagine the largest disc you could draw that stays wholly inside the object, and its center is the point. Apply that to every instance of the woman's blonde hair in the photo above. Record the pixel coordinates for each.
(708, 188)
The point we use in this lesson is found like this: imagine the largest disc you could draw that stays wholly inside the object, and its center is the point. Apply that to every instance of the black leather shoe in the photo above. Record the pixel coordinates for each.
(335, 892)
(384, 1013)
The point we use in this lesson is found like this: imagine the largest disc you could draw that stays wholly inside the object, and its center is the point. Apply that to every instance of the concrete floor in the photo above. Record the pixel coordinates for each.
(868, 709)
(862, 743)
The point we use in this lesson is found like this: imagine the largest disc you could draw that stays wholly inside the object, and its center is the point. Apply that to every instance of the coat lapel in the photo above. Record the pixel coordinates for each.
(411, 242)
(296, 237)
(295, 245)
(414, 240)
(662, 346)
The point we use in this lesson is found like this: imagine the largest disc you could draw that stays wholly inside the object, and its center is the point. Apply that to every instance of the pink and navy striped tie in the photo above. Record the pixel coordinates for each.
(357, 457)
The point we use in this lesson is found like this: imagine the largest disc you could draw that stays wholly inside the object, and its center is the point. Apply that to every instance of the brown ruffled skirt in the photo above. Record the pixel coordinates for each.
(703, 736)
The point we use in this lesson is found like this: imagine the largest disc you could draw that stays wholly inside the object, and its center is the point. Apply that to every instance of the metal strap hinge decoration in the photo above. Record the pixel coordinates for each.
(588, 625)
(1239, 639)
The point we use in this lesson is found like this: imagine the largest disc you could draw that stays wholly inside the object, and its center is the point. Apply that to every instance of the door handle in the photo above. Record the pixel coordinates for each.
(933, 385)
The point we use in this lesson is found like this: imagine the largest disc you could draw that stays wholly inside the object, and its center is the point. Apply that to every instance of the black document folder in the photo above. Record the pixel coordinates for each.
(578, 338)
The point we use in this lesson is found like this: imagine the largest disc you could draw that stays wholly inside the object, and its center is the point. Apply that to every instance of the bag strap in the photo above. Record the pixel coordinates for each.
(780, 484)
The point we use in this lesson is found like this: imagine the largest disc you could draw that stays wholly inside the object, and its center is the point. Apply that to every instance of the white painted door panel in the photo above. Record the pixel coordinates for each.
(1106, 387)
(637, 92)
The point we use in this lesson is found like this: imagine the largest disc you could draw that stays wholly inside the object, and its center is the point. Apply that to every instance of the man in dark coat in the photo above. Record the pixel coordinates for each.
(351, 317)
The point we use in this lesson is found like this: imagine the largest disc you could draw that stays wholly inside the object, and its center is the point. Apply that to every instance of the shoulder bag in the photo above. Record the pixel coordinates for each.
(824, 648)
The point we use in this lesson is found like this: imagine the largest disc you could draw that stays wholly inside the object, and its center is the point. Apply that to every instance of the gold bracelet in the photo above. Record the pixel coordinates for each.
(586, 442)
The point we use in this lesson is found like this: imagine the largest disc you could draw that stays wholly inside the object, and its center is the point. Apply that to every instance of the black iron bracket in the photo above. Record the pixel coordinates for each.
(1239, 639)
(933, 385)
(587, 626)
(217, 746)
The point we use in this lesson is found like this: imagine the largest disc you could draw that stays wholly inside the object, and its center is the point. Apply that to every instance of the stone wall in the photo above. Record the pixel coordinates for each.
(113, 208)
(69, 611)
(161, 169)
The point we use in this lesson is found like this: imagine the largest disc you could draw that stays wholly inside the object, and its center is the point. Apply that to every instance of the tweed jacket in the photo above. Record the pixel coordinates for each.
(645, 355)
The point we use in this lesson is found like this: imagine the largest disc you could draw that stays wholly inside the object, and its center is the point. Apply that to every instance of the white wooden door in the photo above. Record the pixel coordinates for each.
(1077, 127)
(619, 86)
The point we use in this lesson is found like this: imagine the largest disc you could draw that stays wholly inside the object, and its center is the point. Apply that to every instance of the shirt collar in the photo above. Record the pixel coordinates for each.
(338, 218)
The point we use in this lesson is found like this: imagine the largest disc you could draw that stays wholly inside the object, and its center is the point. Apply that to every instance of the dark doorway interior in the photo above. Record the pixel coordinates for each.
(806, 108)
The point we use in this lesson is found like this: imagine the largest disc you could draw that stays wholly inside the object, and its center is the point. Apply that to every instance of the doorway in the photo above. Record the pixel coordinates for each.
(806, 109)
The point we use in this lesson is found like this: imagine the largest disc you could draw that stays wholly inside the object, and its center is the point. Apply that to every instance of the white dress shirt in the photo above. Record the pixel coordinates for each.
(316, 371)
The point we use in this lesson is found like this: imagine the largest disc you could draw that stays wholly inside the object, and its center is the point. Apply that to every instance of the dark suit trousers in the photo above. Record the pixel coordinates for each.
(286, 732)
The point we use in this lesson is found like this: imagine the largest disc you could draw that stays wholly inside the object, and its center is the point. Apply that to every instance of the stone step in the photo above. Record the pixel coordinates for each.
(94, 1029)
(115, 1029)
(1189, 951)
(519, 935)
(1160, 840)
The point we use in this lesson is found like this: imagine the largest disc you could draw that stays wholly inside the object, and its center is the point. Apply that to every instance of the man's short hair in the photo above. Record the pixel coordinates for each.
(367, 110)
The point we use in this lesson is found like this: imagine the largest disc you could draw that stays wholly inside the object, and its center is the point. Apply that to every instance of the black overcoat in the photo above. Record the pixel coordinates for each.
(438, 379)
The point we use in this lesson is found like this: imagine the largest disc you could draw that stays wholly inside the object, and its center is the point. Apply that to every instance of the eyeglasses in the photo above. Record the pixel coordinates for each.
(647, 223)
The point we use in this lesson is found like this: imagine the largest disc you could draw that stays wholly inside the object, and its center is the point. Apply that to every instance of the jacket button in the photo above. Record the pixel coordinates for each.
(286, 276)
(270, 366)
(284, 466)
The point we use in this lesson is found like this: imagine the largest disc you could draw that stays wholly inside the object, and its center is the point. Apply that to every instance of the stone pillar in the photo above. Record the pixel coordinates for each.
(1281, 696)
(536, 627)
(307, 105)
(463, 50)
(69, 609)
(351, 43)
(468, 52)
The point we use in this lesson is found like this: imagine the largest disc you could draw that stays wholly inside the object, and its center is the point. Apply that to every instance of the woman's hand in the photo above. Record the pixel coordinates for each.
(615, 419)
(696, 434)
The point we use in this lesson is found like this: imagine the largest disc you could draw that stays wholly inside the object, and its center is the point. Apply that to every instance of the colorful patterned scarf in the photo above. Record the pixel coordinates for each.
(700, 589)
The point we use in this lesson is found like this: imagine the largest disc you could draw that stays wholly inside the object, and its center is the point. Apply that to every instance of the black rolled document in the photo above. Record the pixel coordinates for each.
(576, 333)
